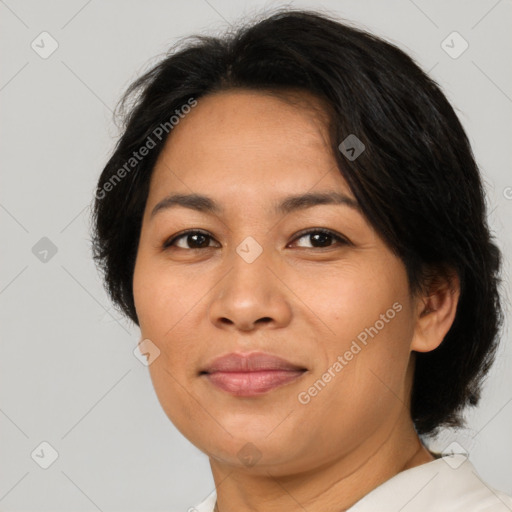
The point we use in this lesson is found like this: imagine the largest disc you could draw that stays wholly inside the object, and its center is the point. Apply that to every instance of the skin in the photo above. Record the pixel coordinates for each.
(247, 150)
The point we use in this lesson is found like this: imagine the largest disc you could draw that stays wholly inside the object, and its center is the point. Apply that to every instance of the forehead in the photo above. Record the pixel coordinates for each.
(249, 142)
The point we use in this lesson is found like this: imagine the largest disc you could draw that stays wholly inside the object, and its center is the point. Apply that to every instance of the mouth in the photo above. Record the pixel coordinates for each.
(252, 374)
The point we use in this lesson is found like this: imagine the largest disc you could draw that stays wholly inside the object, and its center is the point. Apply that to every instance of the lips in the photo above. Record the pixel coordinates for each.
(250, 374)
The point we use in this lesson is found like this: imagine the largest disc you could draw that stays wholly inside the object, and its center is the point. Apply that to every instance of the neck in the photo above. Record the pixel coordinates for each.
(333, 487)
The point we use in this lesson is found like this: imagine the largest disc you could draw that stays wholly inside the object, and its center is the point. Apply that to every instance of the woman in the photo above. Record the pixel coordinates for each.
(294, 219)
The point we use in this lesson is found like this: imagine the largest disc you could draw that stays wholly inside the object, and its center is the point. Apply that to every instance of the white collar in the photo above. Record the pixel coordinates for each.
(449, 483)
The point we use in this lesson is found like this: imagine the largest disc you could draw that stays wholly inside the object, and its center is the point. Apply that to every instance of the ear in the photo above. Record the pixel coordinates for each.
(435, 311)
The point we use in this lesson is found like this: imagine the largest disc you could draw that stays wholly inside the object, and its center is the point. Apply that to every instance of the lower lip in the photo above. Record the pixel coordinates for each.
(252, 383)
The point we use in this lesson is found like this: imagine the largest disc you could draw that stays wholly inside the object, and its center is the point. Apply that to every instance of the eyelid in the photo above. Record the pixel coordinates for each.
(171, 240)
(335, 235)
(321, 230)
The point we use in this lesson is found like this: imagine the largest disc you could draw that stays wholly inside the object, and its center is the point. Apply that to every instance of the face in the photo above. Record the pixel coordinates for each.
(305, 300)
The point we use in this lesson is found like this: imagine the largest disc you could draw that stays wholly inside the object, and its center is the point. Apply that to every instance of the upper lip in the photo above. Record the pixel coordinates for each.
(252, 362)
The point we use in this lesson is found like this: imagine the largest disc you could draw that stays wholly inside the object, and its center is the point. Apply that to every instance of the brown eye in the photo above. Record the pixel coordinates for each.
(320, 238)
(194, 239)
(191, 239)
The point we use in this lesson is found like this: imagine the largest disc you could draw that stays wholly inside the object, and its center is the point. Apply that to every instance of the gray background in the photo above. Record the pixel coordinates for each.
(68, 374)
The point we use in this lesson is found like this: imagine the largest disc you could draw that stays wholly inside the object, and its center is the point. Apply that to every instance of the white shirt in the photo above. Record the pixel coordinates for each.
(447, 484)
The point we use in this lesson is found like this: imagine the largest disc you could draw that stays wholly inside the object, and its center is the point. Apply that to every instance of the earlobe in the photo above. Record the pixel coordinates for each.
(435, 313)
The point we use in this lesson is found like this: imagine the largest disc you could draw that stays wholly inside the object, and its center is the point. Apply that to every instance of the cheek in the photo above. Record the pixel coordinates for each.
(160, 301)
(354, 297)
(162, 313)
(368, 389)
(370, 330)
(170, 309)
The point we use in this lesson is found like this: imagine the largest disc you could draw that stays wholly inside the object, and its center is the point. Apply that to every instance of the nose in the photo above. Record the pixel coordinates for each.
(250, 296)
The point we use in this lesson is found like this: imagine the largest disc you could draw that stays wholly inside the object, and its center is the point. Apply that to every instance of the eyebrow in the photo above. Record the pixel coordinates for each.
(287, 205)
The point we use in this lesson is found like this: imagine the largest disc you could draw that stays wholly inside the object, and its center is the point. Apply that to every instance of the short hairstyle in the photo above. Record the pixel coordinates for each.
(416, 181)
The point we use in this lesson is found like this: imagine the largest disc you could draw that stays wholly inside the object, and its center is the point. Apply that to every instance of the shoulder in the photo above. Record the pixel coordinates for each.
(449, 483)
(470, 493)
(207, 505)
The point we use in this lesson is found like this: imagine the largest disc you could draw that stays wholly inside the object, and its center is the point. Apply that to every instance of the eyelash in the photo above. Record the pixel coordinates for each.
(341, 240)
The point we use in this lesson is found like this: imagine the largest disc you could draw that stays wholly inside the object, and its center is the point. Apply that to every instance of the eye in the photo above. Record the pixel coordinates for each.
(321, 238)
(194, 238)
